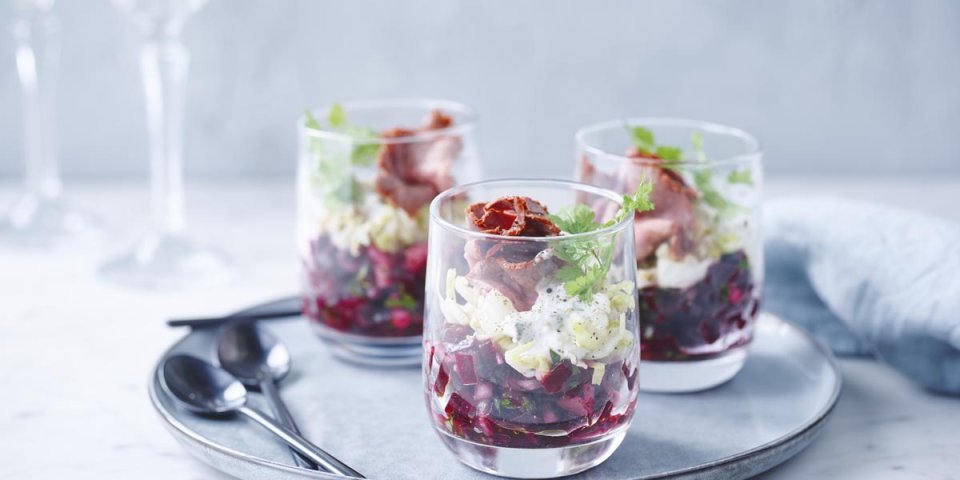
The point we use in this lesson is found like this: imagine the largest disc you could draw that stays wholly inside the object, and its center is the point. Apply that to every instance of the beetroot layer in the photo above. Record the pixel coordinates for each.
(681, 324)
(374, 293)
(488, 402)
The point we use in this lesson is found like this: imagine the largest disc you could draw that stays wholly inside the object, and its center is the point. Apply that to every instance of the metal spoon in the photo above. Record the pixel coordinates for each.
(204, 388)
(259, 361)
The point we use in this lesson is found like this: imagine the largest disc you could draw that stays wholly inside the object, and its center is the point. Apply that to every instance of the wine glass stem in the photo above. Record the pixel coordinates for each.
(37, 38)
(164, 61)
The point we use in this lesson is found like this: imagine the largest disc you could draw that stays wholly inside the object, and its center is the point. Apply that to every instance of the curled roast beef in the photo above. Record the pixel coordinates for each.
(410, 174)
(672, 220)
(514, 268)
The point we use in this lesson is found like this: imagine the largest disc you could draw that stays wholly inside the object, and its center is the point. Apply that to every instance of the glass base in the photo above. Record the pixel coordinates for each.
(533, 462)
(371, 351)
(171, 262)
(690, 376)
(36, 221)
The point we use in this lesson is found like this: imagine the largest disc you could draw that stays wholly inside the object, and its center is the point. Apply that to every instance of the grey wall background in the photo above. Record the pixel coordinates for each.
(848, 86)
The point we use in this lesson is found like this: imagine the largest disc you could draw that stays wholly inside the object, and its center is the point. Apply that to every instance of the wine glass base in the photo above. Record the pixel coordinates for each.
(168, 262)
(36, 221)
(690, 376)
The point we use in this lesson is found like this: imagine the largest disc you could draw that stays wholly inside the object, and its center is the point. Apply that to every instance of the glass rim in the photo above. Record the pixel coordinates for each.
(435, 216)
(753, 150)
(428, 104)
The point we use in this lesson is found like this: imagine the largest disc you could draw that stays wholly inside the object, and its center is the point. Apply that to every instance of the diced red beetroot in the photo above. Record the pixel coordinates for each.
(454, 334)
(486, 425)
(465, 369)
(483, 391)
(457, 406)
(734, 294)
(401, 318)
(517, 382)
(576, 405)
(441, 384)
(382, 267)
(415, 257)
(554, 379)
(483, 407)
(718, 307)
(487, 358)
(549, 416)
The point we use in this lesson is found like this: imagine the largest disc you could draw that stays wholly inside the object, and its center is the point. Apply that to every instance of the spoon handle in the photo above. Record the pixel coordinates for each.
(301, 444)
(282, 414)
(210, 322)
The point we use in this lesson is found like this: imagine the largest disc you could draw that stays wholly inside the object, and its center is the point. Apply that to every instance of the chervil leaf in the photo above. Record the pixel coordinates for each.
(643, 138)
(568, 273)
(587, 259)
(696, 140)
(740, 176)
(577, 251)
(310, 121)
(364, 154)
(703, 179)
(638, 202)
(337, 118)
(578, 219)
(669, 154)
(583, 285)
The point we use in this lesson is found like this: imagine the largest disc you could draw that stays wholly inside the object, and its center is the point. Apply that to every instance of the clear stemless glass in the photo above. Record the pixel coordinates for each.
(531, 341)
(165, 257)
(699, 251)
(40, 217)
(367, 173)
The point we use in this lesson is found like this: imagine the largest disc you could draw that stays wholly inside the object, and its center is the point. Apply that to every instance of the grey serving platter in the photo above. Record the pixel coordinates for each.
(376, 421)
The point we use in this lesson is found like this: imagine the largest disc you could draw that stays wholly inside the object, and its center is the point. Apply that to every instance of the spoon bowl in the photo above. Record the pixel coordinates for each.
(202, 387)
(252, 354)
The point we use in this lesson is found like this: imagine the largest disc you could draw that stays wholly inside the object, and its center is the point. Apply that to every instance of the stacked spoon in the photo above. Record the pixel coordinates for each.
(250, 357)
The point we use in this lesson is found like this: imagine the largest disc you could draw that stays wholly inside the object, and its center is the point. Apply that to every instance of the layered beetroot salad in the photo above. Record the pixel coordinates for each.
(365, 254)
(536, 344)
(696, 251)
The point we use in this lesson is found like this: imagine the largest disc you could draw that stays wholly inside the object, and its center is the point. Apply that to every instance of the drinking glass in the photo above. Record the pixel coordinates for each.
(367, 173)
(529, 371)
(40, 217)
(699, 251)
(166, 257)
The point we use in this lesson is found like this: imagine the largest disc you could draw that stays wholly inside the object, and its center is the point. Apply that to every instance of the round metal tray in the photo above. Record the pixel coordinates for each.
(376, 421)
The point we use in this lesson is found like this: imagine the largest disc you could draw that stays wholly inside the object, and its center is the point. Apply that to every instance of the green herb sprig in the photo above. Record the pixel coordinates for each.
(645, 142)
(587, 259)
(333, 166)
(703, 178)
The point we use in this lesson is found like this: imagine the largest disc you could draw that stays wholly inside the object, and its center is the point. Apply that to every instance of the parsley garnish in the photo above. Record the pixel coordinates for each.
(334, 160)
(646, 144)
(703, 178)
(588, 259)
(740, 176)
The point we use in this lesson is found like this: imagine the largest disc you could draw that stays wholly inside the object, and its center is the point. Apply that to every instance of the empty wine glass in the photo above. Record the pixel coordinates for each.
(165, 256)
(40, 217)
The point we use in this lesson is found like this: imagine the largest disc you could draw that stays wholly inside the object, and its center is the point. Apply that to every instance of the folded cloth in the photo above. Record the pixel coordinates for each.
(869, 280)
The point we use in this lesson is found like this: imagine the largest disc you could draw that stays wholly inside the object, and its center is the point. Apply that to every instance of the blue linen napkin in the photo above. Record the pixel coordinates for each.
(869, 280)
